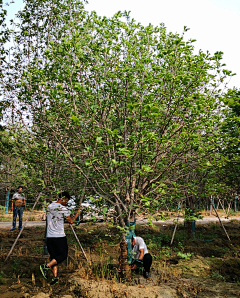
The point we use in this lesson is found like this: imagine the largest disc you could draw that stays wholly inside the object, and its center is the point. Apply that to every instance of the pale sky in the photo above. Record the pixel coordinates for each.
(215, 24)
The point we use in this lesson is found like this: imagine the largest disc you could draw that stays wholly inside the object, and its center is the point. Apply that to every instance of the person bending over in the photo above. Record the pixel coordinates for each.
(140, 255)
(56, 238)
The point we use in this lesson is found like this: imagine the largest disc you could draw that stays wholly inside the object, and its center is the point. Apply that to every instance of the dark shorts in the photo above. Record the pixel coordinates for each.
(57, 248)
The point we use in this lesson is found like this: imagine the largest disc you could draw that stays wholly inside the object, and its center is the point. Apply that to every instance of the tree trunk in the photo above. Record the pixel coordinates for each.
(126, 270)
(188, 224)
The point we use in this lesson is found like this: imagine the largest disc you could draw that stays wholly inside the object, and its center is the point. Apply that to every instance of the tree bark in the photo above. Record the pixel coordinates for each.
(126, 270)
(123, 260)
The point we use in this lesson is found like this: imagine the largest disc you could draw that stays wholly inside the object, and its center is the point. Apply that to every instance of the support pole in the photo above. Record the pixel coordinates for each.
(78, 242)
(166, 206)
(222, 206)
(175, 228)
(229, 206)
(222, 225)
(7, 202)
(45, 250)
(211, 206)
(19, 234)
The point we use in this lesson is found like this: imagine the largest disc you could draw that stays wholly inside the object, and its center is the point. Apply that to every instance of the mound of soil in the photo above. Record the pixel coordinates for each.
(108, 289)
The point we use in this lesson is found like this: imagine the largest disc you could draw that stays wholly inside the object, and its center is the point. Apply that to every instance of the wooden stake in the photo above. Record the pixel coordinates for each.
(222, 225)
(78, 242)
(222, 206)
(33, 279)
(211, 207)
(15, 242)
(166, 206)
(175, 228)
(229, 205)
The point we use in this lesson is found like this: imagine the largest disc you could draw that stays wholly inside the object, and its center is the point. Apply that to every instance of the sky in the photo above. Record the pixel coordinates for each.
(214, 24)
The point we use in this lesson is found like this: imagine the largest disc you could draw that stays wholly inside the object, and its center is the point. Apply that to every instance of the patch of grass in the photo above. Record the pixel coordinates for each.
(181, 235)
(17, 264)
(217, 276)
(37, 249)
(157, 241)
(232, 212)
(186, 256)
(214, 226)
(2, 275)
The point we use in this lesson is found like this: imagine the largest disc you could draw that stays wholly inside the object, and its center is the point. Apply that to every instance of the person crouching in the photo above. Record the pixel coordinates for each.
(140, 256)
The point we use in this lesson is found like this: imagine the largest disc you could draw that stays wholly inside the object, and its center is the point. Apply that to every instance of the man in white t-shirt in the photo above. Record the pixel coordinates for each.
(56, 238)
(140, 253)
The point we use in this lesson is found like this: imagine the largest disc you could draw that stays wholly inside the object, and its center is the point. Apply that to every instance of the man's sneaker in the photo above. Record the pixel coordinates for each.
(147, 275)
(19, 229)
(54, 281)
(13, 229)
(44, 269)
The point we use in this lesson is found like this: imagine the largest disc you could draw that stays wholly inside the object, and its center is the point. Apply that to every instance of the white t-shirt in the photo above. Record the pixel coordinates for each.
(139, 244)
(55, 220)
(71, 204)
(18, 196)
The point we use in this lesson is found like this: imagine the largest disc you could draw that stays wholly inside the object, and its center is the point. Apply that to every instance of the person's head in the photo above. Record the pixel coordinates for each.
(133, 241)
(20, 189)
(63, 198)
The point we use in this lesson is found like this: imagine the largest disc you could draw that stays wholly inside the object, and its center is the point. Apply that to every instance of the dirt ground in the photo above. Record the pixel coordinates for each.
(207, 266)
(38, 215)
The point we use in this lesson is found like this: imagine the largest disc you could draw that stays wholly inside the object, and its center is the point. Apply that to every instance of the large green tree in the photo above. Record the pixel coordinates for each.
(124, 105)
(130, 109)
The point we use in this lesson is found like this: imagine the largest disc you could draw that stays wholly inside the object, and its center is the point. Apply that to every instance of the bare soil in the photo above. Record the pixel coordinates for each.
(207, 266)
(36, 215)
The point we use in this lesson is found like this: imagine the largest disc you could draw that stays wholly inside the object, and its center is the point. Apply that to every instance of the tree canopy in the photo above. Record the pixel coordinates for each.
(126, 114)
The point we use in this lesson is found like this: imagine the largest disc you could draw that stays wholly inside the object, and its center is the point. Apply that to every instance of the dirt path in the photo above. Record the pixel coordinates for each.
(205, 220)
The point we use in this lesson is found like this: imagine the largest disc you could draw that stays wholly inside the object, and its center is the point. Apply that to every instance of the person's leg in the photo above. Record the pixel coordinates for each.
(61, 250)
(147, 262)
(20, 214)
(51, 249)
(53, 265)
(54, 270)
(14, 218)
(58, 250)
(61, 253)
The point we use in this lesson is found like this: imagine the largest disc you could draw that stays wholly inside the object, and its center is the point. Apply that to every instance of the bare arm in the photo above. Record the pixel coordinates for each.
(141, 254)
(71, 219)
(134, 266)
